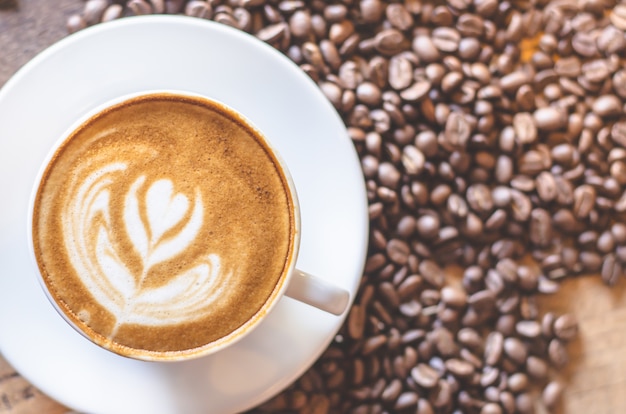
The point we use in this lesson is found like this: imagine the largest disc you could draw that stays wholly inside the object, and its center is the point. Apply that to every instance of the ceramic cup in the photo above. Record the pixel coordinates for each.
(164, 226)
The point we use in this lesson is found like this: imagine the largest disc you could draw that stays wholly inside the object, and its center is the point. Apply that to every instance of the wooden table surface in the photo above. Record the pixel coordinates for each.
(595, 377)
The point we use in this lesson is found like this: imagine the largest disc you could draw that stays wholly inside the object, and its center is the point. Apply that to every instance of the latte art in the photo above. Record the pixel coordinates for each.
(163, 230)
(163, 224)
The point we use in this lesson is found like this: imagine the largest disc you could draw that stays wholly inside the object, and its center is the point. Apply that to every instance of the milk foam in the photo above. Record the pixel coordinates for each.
(166, 227)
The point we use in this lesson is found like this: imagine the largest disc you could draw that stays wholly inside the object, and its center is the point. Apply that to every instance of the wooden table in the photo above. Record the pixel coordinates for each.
(595, 377)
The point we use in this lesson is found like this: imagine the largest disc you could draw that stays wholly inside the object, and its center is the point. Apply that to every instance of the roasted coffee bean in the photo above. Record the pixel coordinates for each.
(457, 206)
(340, 31)
(400, 72)
(413, 160)
(494, 347)
(584, 200)
(114, 11)
(374, 343)
(432, 273)
(528, 278)
(392, 391)
(619, 83)
(356, 322)
(470, 338)
(517, 382)
(514, 349)
(492, 394)
(450, 82)
(557, 353)
(442, 397)
(470, 25)
(390, 42)
(506, 324)
(443, 340)
(335, 12)
(139, 7)
(471, 358)
(548, 286)
(428, 226)
(611, 269)
(565, 154)
(410, 309)
(521, 205)
(469, 49)
(584, 44)
(425, 376)
(546, 187)
(489, 376)
(269, 34)
(552, 394)
(524, 403)
(536, 367)
(416, 91)
(459, 368)
(618, 16)
(507, 269)
(409, 286)
(452, 297)
(512, 82)
(300, 24)
(94, 10)
(425, 49)
(568, 66)
(371, 10)
(607, 105)
(473, 278)
(75, 23)
(550, 118)
(592, 261)
(503, 169)
(528, 329)
(565, 327)
(424, 407)
(611, 40)
(406, 226)
(399, 17)
(330, 54)
(540, 227)
(596, 70)
(495, 285)
(525, 129)
(618, 133)
(618, 171)
(457, 130)
(533, 162)
(479, 198)
(606, 243)
(525, 183)
(446, 39)
(369, 94)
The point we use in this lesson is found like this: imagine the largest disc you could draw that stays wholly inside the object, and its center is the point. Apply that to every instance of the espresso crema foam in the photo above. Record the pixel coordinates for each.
(163, 224)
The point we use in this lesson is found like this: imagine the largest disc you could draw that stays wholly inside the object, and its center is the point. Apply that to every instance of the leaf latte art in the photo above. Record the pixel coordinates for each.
(163, 224)
(185, 297)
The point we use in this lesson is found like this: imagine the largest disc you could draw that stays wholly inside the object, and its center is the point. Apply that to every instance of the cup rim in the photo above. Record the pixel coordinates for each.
(234, 336)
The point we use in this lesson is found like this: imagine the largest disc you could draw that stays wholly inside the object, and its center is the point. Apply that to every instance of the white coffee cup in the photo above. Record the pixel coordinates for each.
(293, 283)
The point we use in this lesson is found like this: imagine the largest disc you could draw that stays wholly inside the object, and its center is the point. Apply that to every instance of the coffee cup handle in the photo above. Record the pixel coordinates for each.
(318, 293)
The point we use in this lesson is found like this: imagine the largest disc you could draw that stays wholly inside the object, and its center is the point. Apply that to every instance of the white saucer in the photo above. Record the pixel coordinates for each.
(171, 52)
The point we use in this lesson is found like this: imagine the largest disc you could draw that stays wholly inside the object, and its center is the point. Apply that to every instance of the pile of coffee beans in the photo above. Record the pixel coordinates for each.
(492, 136)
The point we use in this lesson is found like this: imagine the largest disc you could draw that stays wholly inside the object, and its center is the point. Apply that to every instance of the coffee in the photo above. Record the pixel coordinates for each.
(164, 225)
